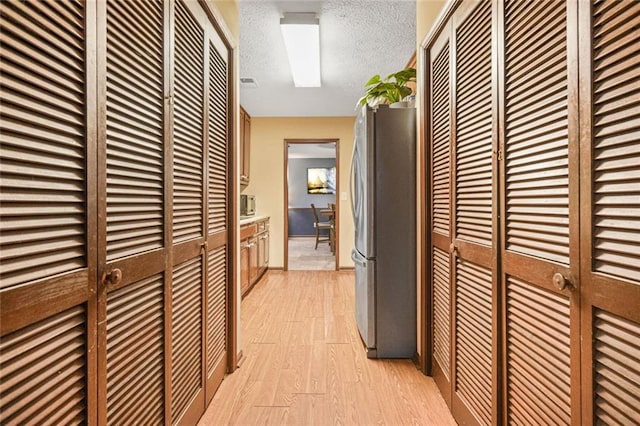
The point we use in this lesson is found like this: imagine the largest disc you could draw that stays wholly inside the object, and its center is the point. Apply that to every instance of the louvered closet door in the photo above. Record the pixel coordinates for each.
(474, 320)
(218, 194)
(189, 248)
(540, 208)
(440, 191)
(200, 213)
(47, 214)
(132, 238)
(610, 200)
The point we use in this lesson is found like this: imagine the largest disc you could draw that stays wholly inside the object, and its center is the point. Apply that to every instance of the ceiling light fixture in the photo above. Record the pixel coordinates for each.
(301, 34)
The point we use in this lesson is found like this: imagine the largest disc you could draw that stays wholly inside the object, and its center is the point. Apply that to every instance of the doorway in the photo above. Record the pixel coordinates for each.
(311, 181)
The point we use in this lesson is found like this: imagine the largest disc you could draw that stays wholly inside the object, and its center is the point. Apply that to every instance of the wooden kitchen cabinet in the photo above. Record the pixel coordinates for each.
(245, 145)
(254, 253)
(253, 259)
(263, 250)
(245, 281)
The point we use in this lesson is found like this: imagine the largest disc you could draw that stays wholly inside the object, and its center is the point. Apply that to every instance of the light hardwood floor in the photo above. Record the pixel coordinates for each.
(304, 363)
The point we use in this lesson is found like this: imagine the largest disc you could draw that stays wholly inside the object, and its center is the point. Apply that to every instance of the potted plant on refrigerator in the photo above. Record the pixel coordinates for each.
(390, 90)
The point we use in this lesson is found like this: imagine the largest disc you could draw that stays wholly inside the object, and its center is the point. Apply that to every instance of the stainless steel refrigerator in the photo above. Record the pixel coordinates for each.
(383, 197)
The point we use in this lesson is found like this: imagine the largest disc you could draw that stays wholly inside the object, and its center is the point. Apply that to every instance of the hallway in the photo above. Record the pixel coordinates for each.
(304, 364)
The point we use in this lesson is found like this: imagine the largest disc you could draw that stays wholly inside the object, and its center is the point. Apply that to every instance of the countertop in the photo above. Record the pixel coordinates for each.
(246, 220)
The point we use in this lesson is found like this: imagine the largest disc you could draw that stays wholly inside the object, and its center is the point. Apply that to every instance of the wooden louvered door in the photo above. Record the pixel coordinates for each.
(474, 168)
(188, 242)
(218, 172)
(440, 217)
(201, 215)
(610, 213)
(539, 174)
(47, 213)
(538, 294)
(132, 238)
(163, 242)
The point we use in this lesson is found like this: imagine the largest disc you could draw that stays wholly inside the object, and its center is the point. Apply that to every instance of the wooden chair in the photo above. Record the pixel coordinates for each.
(318, 225)
(332, 231)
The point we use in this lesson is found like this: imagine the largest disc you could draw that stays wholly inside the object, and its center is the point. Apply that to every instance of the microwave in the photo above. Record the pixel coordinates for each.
(247, 205)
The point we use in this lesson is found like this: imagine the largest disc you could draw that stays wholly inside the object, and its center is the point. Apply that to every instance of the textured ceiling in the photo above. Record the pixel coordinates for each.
(357, 40)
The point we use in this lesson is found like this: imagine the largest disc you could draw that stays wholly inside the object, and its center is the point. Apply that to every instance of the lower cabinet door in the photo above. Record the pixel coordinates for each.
(244, 267)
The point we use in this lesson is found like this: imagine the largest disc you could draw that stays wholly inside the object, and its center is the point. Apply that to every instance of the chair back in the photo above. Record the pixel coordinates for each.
(315, 213)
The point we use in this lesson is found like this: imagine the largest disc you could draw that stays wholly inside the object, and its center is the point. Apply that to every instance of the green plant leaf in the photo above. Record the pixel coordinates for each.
(392, 89)
(373, 80)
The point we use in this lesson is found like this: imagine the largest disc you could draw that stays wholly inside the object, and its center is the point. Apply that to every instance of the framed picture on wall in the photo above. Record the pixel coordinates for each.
(321, 180)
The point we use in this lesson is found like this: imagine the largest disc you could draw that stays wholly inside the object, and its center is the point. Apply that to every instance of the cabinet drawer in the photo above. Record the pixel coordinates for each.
(248, 230)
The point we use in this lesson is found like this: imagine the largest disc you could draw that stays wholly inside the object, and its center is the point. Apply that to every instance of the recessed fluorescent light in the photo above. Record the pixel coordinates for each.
(301, 34)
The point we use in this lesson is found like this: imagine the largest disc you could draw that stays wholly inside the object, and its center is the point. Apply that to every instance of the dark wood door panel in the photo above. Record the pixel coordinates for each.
(44, 369)
(474, 354)
(218, 149)
(188, 203)
(440, 150)
(540, 258)
(23, 305)
(135, 352)
(473, 126)
(538, 271)
(473, 217)
(610, 189)
(134, 268)
(439, 160)
(114, 142)
(42, 143)
(187, 389)
(538, 355)
(216, 336)
(536, 132)
(134, 128)
(441, 293)
(616, 369)
(132, 236)
(47, 214)
(534, 230)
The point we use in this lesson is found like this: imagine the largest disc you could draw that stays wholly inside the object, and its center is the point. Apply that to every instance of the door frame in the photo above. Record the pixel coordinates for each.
(285, 206)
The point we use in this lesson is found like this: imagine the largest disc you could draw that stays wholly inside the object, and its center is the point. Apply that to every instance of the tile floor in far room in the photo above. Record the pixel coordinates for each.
(303, 256)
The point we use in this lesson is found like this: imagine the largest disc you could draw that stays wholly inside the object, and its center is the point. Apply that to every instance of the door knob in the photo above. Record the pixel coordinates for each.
(113, 277)
(560, 281)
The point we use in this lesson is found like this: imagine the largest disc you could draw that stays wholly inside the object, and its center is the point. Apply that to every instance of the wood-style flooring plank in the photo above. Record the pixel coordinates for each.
(304, 363)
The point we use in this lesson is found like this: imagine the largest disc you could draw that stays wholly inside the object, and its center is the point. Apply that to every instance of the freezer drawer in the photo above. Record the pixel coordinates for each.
(365, 301)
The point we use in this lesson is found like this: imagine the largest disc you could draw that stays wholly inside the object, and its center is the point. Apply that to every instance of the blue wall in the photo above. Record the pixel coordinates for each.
(298, 196)
(300, 214)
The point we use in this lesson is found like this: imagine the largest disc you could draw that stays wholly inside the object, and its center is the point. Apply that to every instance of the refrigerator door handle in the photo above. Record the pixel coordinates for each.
(351, 181)
(357, 257)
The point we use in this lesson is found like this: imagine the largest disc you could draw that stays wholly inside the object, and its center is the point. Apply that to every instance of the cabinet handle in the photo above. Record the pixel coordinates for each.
(560, 282)
(112, 278)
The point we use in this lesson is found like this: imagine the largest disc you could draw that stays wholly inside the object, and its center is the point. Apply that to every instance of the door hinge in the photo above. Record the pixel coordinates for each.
(499, 155)
(169, 98)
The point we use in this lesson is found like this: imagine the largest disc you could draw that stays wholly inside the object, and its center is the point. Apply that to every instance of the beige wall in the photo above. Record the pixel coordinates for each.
(229, 11)
(267, 174)
(427, 12)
